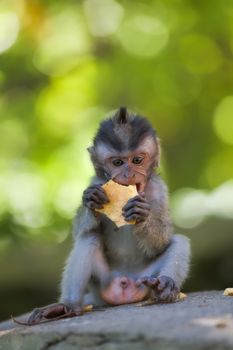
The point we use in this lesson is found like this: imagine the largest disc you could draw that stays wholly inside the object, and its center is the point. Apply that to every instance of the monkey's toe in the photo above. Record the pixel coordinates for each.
(35, 317)
(168, 295)
(167, 290)
(163, 287)
(148, 281)
(51, 312)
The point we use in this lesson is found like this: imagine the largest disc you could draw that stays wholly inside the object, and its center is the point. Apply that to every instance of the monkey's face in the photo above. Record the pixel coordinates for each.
(133, 167)
(129, 169)
(128, 166)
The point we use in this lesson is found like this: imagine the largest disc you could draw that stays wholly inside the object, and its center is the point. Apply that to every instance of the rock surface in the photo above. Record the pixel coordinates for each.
(202, 321)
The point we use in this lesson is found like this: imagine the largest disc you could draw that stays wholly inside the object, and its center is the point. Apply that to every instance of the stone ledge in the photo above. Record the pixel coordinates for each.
(202, 321)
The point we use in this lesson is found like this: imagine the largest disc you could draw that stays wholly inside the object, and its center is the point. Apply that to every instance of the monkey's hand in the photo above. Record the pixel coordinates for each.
(53, 311)
(137, 208)
(94, 197)
(165, 288)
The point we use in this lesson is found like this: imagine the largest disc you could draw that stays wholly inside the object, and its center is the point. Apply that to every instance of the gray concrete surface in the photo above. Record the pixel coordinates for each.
(202, 321)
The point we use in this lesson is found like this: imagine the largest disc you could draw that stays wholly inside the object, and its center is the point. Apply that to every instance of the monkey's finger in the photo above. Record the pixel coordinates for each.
(95, 188)
(93, 205)
(140, 197)
(93, 197)
(167, 295)
(137, 198)
(35, 316)
(141, 211)
(144, 213)
(175, 295)
(96, 192)
(162, 284)
(141, 280)
(151, 282)
(102, 194)
(99, 188)
(135, 217)
(136, 203)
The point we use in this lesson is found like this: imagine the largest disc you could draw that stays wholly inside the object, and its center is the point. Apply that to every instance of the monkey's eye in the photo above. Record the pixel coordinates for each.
(117, 162)
(137, 160)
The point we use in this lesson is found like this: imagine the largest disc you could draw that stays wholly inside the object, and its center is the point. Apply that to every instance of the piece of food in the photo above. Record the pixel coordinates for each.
(118, 196)
(88, 308)
(181, 296)
(228, 291)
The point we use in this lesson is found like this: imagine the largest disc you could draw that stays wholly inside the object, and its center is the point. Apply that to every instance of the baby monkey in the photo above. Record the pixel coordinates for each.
(129, 264)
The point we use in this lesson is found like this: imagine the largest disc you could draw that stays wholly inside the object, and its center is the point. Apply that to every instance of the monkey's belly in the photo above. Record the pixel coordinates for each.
(123, 290)
(121, 249)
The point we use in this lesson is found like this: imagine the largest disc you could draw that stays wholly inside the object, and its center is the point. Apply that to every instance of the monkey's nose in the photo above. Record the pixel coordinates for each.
(129, 175)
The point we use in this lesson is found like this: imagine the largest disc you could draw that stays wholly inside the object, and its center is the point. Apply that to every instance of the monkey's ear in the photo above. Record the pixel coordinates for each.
(92, 153)
(158, 152)
(122, 115)
(91, 150)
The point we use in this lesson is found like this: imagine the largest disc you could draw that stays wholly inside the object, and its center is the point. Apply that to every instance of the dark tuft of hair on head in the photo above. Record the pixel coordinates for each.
(107, 135)
(140, 128)
(122, 115)
(134, 127)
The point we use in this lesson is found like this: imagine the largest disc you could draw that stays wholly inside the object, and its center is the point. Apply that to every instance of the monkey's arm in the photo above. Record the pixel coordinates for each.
(166, 273)
(85, 260)
(173, 262)
(153, 230)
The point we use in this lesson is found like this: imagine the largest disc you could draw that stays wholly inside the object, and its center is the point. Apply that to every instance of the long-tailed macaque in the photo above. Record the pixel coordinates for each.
(122, 265)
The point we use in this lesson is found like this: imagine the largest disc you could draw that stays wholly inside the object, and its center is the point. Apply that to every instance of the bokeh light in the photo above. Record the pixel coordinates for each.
(59, 50)
(188, 207)
(200, 54)
(103, 17)
(60, 104)
(191, 207)
(223, 120)
(143, 35)
(10, 25)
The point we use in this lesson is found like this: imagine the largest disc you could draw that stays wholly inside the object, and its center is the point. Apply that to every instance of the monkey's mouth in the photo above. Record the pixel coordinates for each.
(139, 186)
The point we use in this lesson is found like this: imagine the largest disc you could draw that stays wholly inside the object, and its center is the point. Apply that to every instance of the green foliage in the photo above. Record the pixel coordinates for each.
(64, 65)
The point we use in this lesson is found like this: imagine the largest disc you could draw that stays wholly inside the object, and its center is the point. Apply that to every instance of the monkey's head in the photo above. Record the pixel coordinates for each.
(125, 149)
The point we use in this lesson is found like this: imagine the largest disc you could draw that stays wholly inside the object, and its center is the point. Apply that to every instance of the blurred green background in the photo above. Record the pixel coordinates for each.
(63, 66)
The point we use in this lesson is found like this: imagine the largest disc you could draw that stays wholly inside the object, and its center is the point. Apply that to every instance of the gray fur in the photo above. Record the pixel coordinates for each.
(173, 262)
(148, 248)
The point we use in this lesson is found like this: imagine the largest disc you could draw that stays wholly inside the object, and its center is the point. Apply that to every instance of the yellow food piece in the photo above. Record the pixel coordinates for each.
(228, 291)
(118, 196)
(181, 296)
(88, 307)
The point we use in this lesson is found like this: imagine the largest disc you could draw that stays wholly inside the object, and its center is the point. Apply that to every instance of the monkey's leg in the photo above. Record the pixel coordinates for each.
(86, 260)
(166, 274)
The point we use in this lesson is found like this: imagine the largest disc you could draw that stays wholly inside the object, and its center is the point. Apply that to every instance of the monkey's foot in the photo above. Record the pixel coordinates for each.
(52, 312)
(163, 287)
